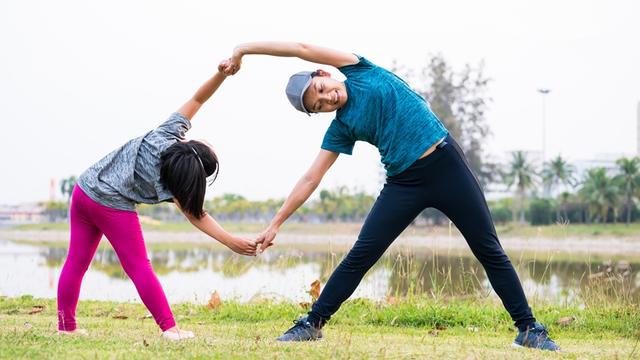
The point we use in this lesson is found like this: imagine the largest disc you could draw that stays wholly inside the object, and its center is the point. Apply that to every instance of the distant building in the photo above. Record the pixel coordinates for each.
(499, 189)
(638, 133)
(22, 214)
(607, 161)
(52, 189)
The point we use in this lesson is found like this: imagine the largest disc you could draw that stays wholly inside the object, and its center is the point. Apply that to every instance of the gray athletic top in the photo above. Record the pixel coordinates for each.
(131, 174)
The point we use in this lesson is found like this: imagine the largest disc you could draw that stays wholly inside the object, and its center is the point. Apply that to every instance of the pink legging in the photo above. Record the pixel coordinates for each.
(89, 220)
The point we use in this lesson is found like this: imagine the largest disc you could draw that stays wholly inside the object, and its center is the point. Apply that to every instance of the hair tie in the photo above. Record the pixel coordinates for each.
(200, 160)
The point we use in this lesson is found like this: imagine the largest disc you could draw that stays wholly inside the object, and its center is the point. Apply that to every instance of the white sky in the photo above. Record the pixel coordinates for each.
(79, 78)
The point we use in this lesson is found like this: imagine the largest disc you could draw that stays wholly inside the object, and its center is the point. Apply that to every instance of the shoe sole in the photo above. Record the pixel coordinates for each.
(320, 337)
(178, 338)
(309, 340)
(74, 333)
(518, 346)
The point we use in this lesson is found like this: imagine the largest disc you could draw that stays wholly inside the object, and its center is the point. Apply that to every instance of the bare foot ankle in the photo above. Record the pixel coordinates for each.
(177, 334)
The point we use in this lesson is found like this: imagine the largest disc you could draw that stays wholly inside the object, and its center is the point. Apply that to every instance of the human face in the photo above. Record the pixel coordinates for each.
(324, 94)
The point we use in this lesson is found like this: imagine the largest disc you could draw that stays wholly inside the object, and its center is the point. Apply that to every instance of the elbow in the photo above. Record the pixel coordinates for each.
(302, 48)
(311, 181)
(194, 220)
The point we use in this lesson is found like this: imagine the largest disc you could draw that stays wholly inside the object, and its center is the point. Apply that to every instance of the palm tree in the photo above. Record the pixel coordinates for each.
(564, 200)
(628, 179)
(66, 186)
(558, 172)
(521, 174)
(599, 192)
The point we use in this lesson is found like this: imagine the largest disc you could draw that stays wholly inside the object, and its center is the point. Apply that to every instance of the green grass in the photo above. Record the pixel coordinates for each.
(508, 230)
(571, 230)
(412, 328)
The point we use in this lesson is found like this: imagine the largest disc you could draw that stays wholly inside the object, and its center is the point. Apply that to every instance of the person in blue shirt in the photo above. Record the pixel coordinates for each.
(424, 165)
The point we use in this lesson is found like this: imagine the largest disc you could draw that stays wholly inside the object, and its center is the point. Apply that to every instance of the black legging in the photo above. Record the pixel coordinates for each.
(441, 180)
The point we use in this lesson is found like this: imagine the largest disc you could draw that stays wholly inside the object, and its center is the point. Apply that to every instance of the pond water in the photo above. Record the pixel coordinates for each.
(192, 274)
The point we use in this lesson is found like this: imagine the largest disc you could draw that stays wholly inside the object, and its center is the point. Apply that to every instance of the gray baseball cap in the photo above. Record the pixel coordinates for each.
(298, 84)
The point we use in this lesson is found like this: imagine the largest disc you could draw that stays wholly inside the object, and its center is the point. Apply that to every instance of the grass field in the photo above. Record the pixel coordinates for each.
(419, 327)
(409, 329)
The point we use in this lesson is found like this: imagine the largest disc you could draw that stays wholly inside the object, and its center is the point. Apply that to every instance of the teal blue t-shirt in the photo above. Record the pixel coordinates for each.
(384, 111)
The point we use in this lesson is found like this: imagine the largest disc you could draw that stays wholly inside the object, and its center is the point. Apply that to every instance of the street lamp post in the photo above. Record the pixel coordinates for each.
(544, 92)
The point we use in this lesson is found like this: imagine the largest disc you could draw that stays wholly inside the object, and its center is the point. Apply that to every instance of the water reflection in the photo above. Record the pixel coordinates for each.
(191, 274)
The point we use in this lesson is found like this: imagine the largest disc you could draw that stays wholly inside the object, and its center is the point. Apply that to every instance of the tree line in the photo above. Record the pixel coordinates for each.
(553, 193)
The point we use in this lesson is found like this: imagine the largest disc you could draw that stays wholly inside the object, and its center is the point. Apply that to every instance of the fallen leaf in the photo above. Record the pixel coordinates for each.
(145, 343)
(305, 305)
(564, 321)
(315, 290)
(392, 300)
(36, 309)
(120, 317)
(215, 301)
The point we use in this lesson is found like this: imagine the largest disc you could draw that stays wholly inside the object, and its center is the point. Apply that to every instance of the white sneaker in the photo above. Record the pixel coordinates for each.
(175, 334)
(76, 332)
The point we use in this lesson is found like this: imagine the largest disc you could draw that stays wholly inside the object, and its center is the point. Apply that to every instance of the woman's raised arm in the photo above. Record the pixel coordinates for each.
(308, 52)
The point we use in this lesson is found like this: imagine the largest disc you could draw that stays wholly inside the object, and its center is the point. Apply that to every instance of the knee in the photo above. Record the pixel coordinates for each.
(137, 268)
(494, 256)
(77, 264)
(356, 263)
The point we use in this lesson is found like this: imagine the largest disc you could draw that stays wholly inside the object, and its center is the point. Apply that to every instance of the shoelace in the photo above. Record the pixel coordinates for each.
(542, 331)
(297, 323)
(541, 334)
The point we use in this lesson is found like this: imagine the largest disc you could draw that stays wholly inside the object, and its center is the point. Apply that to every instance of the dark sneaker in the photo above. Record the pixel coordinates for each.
(535, 337)
(301, 331)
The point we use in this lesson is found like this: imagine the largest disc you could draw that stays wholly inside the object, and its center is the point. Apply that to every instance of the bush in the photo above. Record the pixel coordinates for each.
(501, 214)
(541, 212)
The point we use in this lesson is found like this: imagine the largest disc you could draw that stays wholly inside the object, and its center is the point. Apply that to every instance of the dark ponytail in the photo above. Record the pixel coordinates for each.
(184, 168)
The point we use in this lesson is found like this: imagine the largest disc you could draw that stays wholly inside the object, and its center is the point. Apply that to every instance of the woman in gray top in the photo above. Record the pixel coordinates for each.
(159, 166)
